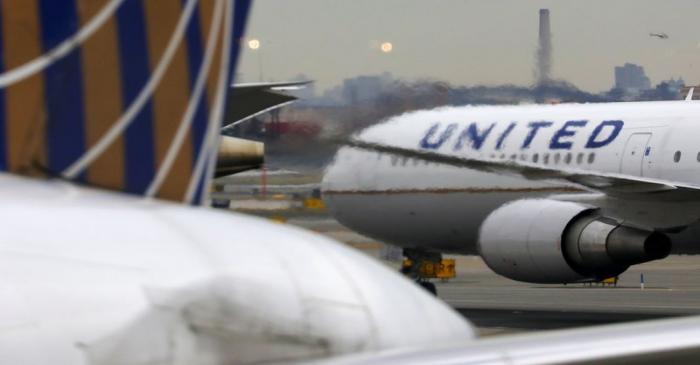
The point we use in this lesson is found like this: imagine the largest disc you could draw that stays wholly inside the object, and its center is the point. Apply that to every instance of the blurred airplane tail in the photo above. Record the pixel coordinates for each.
(126, 95)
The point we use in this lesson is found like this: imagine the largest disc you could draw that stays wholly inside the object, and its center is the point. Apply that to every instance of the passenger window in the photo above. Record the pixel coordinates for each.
(698, 156)
(677, 156)
(545, 158)
(567, 159)
(394, 161)
(536, 157)
(557, 158)
(579, 158)
(591, 157)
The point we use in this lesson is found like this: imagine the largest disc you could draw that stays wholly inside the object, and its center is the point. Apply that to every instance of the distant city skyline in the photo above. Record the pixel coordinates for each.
(471, 42)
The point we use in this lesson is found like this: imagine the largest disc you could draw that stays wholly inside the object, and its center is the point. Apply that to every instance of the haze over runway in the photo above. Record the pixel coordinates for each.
(471, 42)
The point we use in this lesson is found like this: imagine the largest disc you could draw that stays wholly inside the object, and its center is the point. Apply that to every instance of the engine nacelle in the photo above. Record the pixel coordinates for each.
(550, 241)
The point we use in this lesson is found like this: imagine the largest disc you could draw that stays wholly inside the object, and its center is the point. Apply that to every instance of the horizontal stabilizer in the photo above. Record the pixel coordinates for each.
(257, 98)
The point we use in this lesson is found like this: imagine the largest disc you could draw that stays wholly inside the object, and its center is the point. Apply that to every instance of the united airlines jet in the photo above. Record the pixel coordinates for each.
(544, 193)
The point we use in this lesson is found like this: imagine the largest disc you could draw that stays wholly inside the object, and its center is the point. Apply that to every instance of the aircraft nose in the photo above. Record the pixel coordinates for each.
(321, 298)
(349, 171)
(396, 312)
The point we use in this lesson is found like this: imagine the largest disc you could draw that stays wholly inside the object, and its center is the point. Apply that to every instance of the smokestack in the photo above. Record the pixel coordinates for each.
(544, 51)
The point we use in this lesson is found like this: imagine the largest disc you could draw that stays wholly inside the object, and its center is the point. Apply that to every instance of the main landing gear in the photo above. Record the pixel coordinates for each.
(421, 266)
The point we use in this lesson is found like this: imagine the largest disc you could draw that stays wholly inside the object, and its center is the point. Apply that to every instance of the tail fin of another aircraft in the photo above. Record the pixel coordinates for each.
(125, 95)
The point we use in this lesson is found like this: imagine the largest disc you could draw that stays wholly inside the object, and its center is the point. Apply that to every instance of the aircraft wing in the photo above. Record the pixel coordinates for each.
(609, 183)
(257, 98)
(669, 341)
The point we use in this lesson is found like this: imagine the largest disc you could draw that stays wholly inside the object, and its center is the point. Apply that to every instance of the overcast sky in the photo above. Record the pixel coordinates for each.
(469, 42)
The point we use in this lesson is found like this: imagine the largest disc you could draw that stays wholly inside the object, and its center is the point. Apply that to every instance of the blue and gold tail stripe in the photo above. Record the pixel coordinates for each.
(171, 98)
(135, 70)
(3, 135)
(241, 12)
(53, 120)
(195, 51)
(199, 178)
(63, 86)
(24, 117)
(103, 96)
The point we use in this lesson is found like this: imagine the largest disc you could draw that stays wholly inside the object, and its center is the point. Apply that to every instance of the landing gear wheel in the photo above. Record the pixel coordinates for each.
(430, 287)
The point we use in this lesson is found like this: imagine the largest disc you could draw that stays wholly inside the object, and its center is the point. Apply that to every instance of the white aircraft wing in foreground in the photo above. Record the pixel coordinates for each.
(93, 277)
(672, 341)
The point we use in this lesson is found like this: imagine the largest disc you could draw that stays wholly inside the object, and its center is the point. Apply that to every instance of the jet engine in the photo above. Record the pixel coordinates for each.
(550, 241)
(237, 154)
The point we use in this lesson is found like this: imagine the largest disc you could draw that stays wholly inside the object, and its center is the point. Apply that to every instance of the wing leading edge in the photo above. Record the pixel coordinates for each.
(609, 183)
(670, 341)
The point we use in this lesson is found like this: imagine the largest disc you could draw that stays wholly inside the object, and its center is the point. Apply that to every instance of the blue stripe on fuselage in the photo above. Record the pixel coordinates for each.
(63, 91)
(134, 60)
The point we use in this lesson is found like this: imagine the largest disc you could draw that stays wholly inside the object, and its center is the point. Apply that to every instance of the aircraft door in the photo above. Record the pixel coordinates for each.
(633, 157)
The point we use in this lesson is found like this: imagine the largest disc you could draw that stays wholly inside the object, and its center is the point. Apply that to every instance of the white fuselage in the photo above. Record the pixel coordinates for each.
(412, 203)
(90, 277)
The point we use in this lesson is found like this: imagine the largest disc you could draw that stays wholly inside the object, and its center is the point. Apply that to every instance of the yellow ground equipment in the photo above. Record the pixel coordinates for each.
(314, 203)
(610, 281)
(444, 270)
(278, 219)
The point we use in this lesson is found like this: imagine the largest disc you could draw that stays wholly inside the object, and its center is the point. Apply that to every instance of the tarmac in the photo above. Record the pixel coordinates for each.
(497, 305)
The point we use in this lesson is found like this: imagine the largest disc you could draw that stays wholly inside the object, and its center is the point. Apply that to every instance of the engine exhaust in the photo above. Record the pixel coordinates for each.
(602, 247)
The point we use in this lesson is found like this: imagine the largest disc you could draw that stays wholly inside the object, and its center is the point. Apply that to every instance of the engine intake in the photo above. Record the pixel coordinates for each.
(550, 241)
